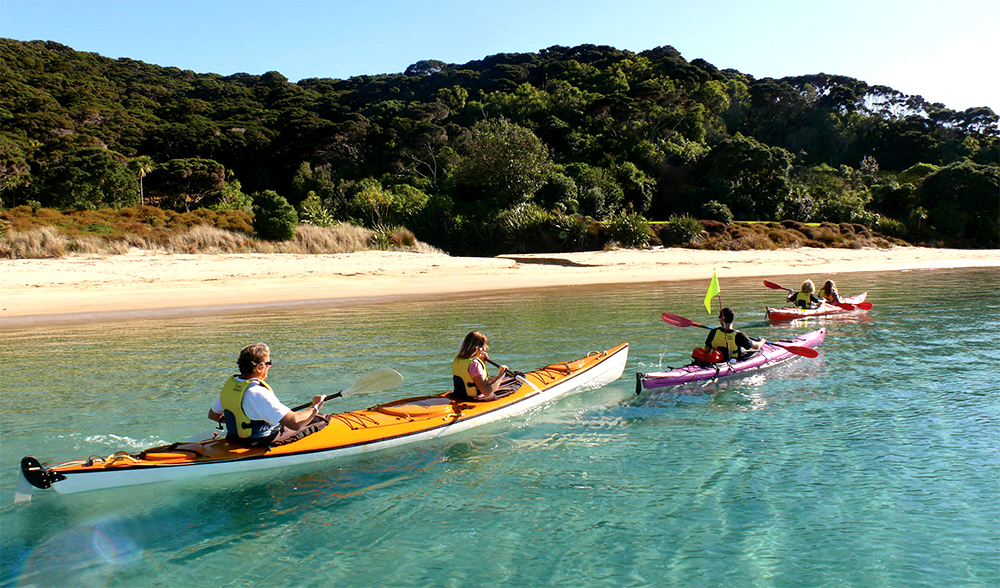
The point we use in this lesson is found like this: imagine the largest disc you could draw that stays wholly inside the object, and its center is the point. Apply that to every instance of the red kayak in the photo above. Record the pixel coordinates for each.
(846, 304)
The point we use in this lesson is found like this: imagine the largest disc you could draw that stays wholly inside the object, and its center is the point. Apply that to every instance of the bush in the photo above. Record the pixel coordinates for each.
(891, 227)
(629, 230)
(274, 218)
(312, 212)
(717, 211)
(517, 229)
(570, 230)
(385, 237)
(713, 227)
(680, 230)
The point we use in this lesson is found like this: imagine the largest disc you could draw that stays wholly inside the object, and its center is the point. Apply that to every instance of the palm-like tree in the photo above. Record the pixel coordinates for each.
(142, 166)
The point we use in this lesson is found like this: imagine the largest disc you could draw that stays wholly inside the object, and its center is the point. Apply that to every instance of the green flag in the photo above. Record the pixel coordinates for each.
(713, 290)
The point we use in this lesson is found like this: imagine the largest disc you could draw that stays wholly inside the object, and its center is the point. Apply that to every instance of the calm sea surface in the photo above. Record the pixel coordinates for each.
(876, 464)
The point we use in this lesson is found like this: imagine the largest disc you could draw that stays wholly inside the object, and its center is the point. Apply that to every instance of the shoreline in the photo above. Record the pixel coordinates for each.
(143, 283)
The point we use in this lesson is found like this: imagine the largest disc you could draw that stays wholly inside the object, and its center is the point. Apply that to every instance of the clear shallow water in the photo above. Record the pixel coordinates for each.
(876, 464)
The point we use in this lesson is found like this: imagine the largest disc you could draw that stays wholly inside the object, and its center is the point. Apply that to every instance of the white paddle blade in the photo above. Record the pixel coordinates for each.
(375, 381)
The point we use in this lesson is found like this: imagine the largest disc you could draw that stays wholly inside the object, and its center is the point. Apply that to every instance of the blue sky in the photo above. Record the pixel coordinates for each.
(944, 51)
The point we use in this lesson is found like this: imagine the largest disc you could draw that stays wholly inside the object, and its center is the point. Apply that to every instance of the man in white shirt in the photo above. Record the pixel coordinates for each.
(252, 412)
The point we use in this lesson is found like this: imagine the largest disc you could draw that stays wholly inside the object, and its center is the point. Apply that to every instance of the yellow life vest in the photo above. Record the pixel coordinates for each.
(725, 342)
(464, 385)
(238, 424)
(803, 299)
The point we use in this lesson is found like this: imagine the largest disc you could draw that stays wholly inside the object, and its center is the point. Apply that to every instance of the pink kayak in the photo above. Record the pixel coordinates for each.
(791, 313)
(769, 355)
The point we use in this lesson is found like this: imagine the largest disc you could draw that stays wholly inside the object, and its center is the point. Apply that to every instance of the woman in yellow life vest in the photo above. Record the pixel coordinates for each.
(253, 415)
(468, 370)
(829, 292)
(730, 342)
(805, 298)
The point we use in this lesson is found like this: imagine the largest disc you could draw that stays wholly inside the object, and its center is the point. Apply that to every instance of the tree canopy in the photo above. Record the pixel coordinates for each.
(588, 129)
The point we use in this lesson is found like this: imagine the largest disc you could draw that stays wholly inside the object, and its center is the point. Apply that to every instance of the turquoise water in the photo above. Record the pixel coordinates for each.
(876, 464)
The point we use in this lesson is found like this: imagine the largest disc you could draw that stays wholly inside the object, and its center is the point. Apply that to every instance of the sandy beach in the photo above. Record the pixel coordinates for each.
(144, 282)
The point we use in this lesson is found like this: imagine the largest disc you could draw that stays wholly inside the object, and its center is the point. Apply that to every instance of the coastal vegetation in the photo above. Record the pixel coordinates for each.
(565, 149)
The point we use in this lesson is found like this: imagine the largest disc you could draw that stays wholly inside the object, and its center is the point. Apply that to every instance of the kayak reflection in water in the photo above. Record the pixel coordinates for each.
(469, 374)
(253, 414)
(805, 298)
(829, 292)
(727, 341)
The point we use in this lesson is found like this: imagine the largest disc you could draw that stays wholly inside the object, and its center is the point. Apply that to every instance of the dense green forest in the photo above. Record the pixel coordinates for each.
(513, 152)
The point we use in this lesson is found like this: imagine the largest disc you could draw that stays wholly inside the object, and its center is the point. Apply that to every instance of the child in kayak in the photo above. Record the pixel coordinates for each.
(829, 292)
(727, 341)
(468, 370)
(253, 414)
(805, 298)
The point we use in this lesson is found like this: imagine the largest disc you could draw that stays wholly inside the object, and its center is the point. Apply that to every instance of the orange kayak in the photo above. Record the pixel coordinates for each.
(395, 423)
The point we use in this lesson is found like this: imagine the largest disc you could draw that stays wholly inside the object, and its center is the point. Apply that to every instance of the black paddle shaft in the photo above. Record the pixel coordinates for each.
(308, 404)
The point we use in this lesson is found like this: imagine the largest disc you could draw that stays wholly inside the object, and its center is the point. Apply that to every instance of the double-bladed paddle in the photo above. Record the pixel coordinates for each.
(679, 321)
(376, 381)
(844, 305)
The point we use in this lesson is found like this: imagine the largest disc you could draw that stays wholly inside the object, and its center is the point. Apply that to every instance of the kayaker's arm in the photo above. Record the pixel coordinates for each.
(297, 420)
(214, 416)
(747, 343)
(489, 387)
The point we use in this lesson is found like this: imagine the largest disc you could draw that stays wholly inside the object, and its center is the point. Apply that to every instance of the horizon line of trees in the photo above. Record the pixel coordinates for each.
(460, 154)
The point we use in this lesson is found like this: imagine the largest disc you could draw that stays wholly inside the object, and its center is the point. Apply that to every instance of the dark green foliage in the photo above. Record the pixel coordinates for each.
(570, 230)
(962, 201)
(629, 229)
(183, 183)
(717, 211)
(503, 162)
(274, 218)
(559, 192)
(749, 177)
(680, 230)
(589, 130)
(87, 178)
(891, 227)
(519, 229)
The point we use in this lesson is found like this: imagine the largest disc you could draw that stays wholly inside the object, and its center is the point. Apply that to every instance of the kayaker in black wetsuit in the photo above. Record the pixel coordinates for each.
(805, 297)
(730, 342)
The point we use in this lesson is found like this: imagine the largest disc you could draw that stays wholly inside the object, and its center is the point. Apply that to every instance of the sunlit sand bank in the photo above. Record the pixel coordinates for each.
(50, 289)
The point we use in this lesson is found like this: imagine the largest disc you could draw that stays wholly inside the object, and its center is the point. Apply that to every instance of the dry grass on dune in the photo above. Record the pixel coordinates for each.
(342, 238)
(49, 242)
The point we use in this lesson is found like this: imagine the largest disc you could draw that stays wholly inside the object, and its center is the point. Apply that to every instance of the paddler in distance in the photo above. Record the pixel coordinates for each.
(829, 292)
(253, 415)
(805, 298)
(730, 343)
